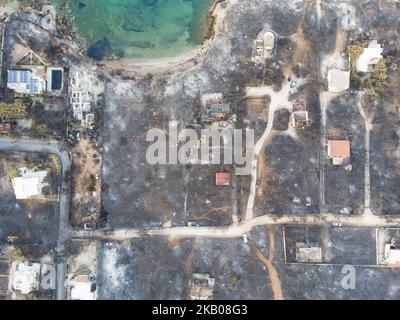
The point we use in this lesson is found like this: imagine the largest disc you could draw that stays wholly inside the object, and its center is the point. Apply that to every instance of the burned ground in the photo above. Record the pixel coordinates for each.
(138, 270)
(289, 172)
(385, 137)
(290, 178)
(31, 222)
(206, 203)
(329, 26)
(325, 283)
(140, 195)
(48, 113)
(31, 225)
(380, 20)
(340, 246)
(49, 118)
(26, 31)
(137, 194)
(385, 167)
(344, 185)
(312, 282)
(353, 246)
(137, 189)
(255, 113)
(282, 120)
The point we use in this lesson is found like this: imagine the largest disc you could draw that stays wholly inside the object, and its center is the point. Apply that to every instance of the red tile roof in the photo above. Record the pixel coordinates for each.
(339, 148)
(223, 179)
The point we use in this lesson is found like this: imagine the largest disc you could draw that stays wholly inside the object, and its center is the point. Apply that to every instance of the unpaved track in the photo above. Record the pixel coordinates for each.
(237, 230)
(268, 262)
(367, 174)
(278, 100)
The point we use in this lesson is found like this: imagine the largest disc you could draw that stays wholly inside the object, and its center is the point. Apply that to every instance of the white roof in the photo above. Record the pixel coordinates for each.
(81, 289)
(338, 80)
(269, 40)
(29, 185)
(25, 188)
(26, 277)
(308, 253)
(392, 256)
(370, 56)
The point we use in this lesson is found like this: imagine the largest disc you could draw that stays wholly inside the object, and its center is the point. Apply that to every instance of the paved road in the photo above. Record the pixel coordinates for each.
(38, 146)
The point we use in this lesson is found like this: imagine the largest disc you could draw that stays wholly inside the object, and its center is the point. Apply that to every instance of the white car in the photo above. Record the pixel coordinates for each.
(89, 226)
(336, 224)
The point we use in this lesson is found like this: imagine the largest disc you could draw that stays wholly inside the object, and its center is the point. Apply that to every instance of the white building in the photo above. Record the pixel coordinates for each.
(338, 80)
(391, 255)
(29, 184)
(79, 95)
(90, 120)
(29, 74)
(308, 253)
(370, 56)
(264, 46)
(82, 288)
(202, 287)
(300, 117)
(25, 277)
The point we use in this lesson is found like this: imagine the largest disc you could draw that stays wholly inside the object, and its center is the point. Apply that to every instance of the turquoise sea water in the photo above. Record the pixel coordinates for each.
(140, 29)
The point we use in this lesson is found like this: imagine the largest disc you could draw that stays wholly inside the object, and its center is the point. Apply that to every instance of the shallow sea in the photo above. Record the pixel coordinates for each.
(139, 29)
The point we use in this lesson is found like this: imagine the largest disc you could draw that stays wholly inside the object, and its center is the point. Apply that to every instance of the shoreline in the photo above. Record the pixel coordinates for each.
(160, 65)
(178, 63)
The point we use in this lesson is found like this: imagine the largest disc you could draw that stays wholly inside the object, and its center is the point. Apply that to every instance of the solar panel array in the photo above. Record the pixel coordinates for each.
(23, 81)
(18, 76)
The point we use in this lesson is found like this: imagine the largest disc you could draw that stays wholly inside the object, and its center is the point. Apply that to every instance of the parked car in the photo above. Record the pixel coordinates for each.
(89, 226)
(336, 224)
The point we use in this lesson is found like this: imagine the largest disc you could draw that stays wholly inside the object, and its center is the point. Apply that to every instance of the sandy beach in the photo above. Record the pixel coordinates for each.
(176, 64)
(160, 66)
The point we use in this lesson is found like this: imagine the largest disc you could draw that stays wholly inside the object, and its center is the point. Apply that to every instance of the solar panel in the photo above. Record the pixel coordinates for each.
(33, 86)
(12, 76)
(24, 76)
